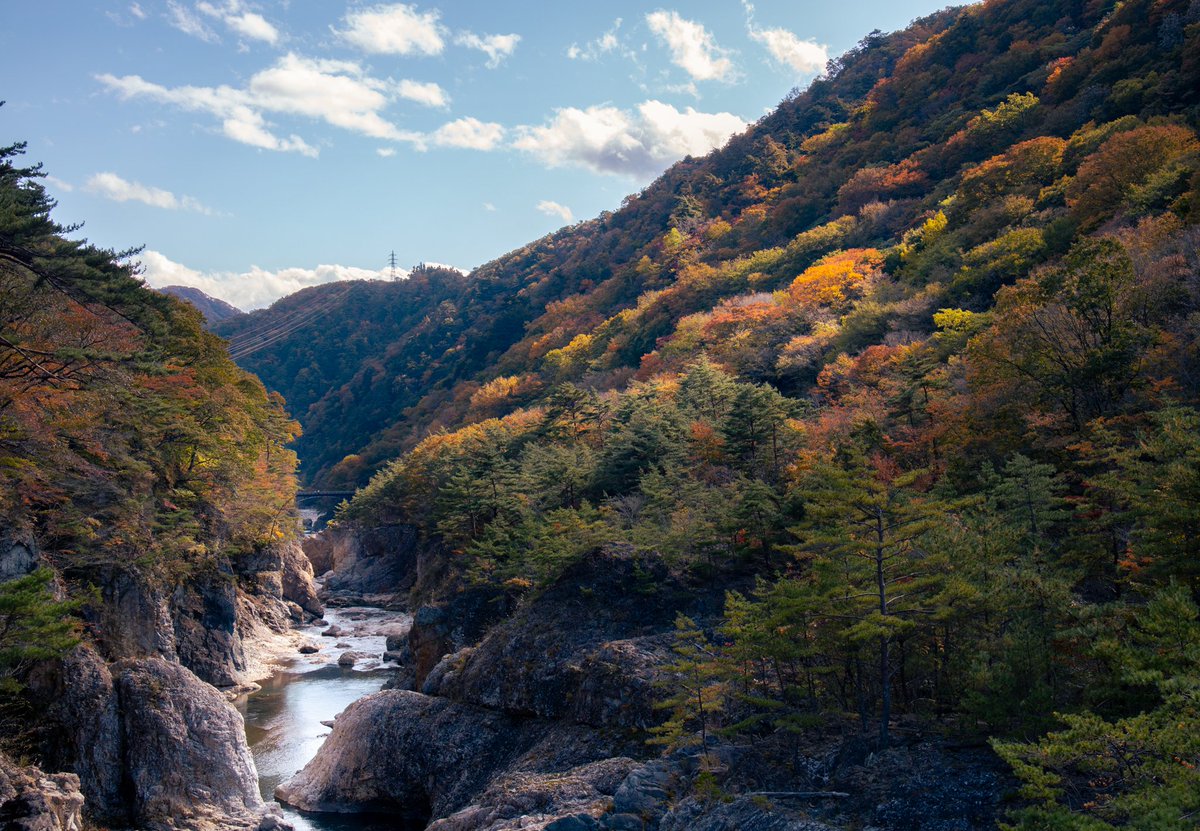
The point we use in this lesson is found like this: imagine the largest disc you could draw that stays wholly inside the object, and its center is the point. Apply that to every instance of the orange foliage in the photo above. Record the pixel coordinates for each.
(835, 278)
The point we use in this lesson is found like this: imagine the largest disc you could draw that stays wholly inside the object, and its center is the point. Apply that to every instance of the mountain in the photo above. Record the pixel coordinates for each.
(213, 309)
(867, 439)
(859, 159)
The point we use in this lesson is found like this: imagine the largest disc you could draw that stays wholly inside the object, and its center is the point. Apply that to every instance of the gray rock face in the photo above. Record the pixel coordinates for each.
(523, 801)
(439, 630)
(18, 557)
(297, 579)
(89, 737)
(418, 757)
(205, 615)
(744, 814)
(133, 617)
(591, 656)
(365, 561)
(31, 800)
(187, 763)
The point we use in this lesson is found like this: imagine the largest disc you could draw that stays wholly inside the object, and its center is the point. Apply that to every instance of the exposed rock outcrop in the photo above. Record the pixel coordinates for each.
(133, 618)
(88, 738)
(205, 615)
(525, 801)
(588, 649)
(365, 561)
(187, 761)
(31, 800)
(18, 556)
(297, 579)
(419, 757)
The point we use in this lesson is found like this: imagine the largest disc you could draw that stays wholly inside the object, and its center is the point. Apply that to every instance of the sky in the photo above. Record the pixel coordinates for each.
(255, 148)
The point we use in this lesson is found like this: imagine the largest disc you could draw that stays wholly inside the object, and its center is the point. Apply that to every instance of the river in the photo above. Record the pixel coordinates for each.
(283, 719)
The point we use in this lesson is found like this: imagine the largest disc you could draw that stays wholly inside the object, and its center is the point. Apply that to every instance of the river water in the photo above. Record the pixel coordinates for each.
(283, 719)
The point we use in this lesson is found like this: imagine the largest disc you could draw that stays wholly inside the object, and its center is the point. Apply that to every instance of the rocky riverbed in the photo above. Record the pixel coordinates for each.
(289, 716)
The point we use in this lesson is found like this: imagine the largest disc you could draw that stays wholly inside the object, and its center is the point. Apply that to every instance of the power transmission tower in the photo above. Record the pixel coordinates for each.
(392, 266)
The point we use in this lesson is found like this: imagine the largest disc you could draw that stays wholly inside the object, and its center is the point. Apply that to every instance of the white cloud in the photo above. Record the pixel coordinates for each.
(429, 94)
(593, 50)
(693, 48)
(469, 133)
(253, 25)
(394, 30)
(489, 207)
(230, 12)
(789, 50)
(642, 143)
(137, 11)
(59, 184)
(187, 22)
(496, 47)
(339, 93)
(386, 152)
(550, 208)
(111, 186)
(251, 289)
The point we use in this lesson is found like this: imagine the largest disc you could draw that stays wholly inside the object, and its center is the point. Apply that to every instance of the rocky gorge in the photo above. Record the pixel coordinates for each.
(498, 713)
(532, 713)
(138, 716)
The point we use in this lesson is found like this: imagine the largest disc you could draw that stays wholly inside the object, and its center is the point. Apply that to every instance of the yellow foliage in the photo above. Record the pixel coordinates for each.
(830, 281)
(495, 391)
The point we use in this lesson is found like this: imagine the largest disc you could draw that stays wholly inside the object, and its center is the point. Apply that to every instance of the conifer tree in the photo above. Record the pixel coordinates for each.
(697, 693)
(864, 530)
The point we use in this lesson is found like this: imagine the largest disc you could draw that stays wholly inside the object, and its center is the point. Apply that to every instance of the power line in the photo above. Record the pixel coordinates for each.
(392, 265)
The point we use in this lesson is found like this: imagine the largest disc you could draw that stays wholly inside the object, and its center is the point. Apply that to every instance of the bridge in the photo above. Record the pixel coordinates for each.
(323, 495)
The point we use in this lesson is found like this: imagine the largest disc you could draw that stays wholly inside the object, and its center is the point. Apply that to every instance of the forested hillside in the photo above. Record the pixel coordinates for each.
(129, 441)
(860, 160)
(918, 352)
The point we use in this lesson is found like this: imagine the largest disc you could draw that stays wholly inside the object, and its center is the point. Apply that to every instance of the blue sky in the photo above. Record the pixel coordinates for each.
(254, 148)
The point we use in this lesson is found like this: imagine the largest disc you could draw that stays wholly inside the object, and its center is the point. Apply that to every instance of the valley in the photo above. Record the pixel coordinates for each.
(844, 477)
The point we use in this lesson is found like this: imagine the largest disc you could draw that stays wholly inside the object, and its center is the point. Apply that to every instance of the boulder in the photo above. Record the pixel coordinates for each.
(419, 758)
(349, 659)
(31, 800)
(187, 764)
(309, 649)
(297, 580)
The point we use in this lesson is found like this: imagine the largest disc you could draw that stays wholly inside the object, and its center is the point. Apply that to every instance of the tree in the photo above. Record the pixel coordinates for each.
(865, 521)
(754, 430)
(697, 692)
(1140, 772)
(34, 626)
(1073, 337)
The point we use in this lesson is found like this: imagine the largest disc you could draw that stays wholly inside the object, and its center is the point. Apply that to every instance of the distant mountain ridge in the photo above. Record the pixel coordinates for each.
(859, 160)
(214, 309)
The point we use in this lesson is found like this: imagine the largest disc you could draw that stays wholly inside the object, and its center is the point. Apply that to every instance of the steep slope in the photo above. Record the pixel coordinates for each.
(888, 130)
(886, 434)
(147, 518)
(213, 309)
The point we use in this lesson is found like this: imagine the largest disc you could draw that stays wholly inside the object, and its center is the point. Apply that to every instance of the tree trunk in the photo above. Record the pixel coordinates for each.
(885, 689)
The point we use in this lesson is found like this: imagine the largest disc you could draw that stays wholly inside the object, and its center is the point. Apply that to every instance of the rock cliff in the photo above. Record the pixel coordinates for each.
(134, 713)
(533, 715)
